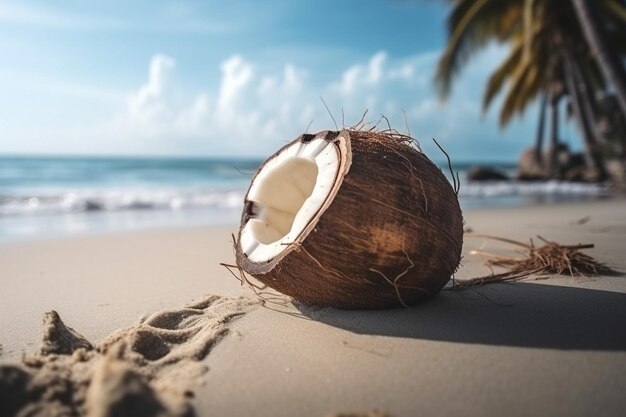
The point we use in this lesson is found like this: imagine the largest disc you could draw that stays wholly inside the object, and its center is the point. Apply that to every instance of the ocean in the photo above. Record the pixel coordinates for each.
(54, 196)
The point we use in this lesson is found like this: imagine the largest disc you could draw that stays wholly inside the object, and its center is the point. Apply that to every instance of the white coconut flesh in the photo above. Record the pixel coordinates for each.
(286, 195)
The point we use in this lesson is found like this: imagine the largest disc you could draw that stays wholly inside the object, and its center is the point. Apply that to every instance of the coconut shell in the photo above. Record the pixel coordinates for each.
(390, 233)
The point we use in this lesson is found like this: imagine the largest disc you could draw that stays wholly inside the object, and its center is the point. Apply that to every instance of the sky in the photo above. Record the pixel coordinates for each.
(235, 78)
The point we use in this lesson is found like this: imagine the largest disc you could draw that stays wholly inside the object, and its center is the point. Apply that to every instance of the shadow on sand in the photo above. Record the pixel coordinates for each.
(521, 314)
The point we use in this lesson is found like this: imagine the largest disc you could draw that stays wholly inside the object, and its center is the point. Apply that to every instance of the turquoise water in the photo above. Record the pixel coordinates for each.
(51, 196)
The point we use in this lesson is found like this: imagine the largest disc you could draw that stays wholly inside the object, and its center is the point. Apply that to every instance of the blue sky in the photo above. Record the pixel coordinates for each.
(239, 78)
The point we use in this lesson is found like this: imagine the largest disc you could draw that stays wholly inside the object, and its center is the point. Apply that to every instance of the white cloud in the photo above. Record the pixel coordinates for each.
(246, 108)
(236, 75)
(253, 112)
(153, 102)
(358, 76)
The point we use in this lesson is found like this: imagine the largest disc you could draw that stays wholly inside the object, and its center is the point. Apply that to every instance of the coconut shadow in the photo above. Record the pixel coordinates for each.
(521, 314)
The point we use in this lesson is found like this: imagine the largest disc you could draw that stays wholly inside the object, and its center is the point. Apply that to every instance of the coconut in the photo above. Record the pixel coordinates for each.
(351, 219)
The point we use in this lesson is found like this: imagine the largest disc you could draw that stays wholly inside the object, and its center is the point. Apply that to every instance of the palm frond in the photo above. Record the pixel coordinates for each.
(615, 9)
(472, 24)
(504, 71)
(518, 81)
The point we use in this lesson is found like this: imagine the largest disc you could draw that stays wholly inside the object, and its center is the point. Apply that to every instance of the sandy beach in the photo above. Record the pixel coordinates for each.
(541, 347)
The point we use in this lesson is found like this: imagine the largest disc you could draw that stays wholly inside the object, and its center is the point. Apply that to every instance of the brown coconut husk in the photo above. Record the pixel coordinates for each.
(551, 258)
(390, 233)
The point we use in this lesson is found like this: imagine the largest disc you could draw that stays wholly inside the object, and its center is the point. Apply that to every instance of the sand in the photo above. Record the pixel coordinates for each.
(149, 369)
(550, 347)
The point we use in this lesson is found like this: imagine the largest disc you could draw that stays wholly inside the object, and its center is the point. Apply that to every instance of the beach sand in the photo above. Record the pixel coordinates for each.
(543, 348)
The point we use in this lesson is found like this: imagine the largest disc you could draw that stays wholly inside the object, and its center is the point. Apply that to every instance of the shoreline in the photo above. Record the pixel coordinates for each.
(549, 347)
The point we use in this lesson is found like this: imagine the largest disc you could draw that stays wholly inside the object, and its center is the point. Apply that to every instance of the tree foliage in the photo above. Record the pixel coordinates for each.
(550, 55)
(537, 32)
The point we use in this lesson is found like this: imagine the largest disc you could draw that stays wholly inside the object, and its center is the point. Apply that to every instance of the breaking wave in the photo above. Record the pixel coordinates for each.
(118, 200)
(81, 201)
(532, 189)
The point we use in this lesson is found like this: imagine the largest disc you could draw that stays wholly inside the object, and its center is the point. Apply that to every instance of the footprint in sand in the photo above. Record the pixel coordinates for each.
(130, 373)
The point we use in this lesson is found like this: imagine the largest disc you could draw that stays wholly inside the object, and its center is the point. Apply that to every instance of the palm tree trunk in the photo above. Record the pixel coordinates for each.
(587, 100)
(610, 65)
(592, 158)
(540, 130)
(554, 137)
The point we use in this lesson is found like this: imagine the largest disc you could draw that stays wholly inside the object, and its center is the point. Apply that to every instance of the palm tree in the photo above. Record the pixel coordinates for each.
(595, 33)
(548, 57)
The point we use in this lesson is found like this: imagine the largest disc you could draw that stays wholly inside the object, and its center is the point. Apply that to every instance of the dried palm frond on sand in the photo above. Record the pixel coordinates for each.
(550, 258)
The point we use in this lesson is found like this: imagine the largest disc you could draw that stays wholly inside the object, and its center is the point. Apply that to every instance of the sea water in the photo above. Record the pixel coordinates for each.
(52, 196)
